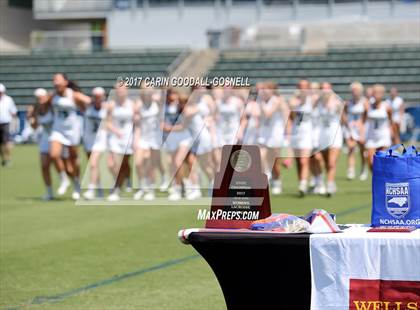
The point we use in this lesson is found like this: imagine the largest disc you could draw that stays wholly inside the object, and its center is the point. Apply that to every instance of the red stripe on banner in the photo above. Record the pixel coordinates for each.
(327, 221)
(384, 295)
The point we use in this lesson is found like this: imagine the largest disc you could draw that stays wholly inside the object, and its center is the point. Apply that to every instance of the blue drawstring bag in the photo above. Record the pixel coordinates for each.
(396, 188)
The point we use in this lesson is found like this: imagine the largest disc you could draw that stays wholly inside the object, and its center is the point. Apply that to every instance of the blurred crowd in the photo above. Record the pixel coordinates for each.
(169, 141)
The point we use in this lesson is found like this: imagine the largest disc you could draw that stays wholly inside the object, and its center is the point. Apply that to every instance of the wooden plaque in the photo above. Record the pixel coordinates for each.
(240, 192)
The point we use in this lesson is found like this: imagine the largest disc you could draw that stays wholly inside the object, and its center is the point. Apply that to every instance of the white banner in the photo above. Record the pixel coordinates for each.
(365, 271)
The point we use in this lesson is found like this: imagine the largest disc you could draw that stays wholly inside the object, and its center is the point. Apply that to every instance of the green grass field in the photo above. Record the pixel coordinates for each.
(56, 255)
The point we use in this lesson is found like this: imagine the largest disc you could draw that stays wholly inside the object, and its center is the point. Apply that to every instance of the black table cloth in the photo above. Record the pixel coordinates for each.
(258, 271)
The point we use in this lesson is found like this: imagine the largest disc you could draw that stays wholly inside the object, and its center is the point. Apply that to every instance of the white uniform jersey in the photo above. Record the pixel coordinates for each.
(174, 139)
(272, 128)
(203, 108)
(252, 130)
(7, 109)
(200, 135)
(302, 125)
(94, 132)
(316, 126)
(228, 121)
(206, 113)
(66, 126)
(396, 104)
(150, 133)
(330, 135)
(122, 120)
(46, 123)
(378, 129)
(355, 111)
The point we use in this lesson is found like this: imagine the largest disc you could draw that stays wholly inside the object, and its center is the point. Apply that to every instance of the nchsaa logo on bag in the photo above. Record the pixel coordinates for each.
(397, 199)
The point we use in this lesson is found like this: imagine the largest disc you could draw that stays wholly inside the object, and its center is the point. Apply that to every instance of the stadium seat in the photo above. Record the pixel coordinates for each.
(23, 73)
(393, 66)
